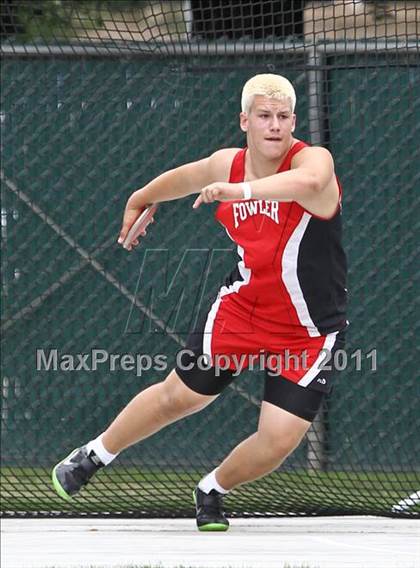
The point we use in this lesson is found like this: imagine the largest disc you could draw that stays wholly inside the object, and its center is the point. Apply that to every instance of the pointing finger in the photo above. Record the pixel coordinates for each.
(198, 202)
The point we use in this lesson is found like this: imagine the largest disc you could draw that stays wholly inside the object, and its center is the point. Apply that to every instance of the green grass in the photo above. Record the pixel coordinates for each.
(128, 491)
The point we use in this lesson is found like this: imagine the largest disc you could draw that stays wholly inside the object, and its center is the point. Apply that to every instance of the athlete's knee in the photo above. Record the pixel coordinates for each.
(278, 444)
(176, 399)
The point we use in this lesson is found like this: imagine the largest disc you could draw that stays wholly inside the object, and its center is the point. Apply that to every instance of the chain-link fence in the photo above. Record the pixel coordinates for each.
(100, 97)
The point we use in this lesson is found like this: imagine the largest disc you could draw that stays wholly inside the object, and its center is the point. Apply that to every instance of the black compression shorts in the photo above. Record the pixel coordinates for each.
(301, 401)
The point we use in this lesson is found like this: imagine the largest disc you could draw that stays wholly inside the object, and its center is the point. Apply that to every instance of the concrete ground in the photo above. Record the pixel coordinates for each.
(321, 542)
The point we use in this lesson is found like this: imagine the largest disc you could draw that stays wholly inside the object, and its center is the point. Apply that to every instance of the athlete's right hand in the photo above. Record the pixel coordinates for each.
(131, 213)
(135, 206)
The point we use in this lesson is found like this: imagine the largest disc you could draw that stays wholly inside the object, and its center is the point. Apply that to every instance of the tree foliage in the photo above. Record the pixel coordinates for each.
(29, 20)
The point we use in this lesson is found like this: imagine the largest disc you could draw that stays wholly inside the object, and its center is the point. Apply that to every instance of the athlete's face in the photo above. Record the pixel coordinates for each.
(269, 126)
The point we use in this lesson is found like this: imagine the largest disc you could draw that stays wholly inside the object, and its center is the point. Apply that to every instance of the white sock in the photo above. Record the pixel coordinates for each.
(99, 449)
(209, 482)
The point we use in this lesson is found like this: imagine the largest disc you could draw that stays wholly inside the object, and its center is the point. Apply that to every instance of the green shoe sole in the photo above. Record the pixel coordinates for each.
(57, 486)
(213, 527)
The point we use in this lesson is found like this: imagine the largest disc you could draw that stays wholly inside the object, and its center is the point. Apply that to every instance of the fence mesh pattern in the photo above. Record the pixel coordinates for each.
(100, 97)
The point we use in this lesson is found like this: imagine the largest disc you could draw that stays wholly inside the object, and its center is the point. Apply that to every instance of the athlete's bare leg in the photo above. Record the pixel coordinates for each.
(152, 409)
(279, 433)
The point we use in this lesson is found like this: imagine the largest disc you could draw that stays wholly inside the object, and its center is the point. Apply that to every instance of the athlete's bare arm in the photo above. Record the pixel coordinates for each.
(324, 196)
(177, 183)
(311, 183)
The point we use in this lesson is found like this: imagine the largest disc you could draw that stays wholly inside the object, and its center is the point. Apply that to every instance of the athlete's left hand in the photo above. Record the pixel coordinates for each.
(219, 191)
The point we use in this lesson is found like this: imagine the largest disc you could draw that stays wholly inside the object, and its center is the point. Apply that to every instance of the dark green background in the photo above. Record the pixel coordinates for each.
(79, 136)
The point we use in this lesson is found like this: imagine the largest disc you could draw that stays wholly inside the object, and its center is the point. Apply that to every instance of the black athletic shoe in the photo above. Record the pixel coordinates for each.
(209, 508)
(71, 474)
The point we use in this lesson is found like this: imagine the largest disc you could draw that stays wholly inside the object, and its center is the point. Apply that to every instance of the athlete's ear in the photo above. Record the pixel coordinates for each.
(243, 121)
(294, 123)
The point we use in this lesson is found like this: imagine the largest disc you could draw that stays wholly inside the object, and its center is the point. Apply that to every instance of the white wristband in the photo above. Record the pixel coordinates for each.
(247, 190)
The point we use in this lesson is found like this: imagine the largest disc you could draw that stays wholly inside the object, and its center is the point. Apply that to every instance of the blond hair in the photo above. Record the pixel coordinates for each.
(268, 85)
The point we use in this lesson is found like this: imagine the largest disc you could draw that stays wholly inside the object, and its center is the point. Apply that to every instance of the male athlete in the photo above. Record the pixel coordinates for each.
(281, 205)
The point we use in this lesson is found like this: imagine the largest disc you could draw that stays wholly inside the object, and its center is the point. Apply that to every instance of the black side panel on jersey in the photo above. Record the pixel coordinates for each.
(322, 270)
(234, 276)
